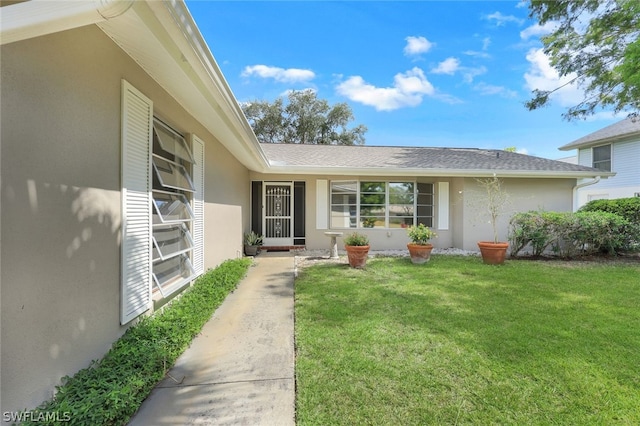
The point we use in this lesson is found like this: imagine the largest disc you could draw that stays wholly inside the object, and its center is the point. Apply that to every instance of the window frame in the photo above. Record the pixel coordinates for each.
(354, 209)
(596, 164)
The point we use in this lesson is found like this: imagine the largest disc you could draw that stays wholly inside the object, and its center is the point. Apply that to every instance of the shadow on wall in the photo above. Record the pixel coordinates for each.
(60, 284)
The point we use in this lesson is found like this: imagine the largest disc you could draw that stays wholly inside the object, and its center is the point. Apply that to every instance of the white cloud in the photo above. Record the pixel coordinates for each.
(489, 90)
(448, 66)
(417, 45)
(468, 74)
(542, 76)
(538, 30)
(501, 19)
(408, 90)
(290, 75)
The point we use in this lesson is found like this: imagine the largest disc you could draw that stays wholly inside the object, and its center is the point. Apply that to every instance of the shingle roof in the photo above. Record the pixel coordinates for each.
(619, 130)
(425, 160)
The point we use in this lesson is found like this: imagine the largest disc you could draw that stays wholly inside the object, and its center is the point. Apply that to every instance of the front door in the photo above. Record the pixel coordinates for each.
(278, 219)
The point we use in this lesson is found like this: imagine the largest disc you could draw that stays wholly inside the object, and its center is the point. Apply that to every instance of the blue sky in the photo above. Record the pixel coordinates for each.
(417, 73)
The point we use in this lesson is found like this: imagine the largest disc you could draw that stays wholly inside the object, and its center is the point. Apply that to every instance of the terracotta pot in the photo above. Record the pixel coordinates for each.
(420, 253)
(357, 255)
(493, 253)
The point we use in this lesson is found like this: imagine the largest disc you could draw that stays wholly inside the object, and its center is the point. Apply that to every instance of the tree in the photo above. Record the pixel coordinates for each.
(597, 41)
(305, 119)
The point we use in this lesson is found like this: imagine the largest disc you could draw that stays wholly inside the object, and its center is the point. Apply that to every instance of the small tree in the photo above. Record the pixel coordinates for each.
(496, 198)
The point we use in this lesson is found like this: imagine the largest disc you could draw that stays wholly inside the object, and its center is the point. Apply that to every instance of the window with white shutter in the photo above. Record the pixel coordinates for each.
(162, 206)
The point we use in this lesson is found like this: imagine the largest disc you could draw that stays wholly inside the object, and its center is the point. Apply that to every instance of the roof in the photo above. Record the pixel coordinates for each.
(621, 130)
(423, 161)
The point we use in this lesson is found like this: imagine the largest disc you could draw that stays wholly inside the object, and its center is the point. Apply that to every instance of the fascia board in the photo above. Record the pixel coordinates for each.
(596, 142)
(35, 18)
(375, 171)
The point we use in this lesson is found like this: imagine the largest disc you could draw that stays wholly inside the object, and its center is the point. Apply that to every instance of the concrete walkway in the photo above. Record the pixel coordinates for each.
(240, 370)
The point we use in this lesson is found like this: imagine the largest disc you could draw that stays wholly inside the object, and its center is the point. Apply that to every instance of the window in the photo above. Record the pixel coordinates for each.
(162, 241)
(172, 215)
(602, 158)
(376, 204)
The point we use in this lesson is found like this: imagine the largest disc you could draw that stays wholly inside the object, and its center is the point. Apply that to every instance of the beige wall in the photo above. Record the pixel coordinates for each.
(60, 214)
(524, 195)
(467, 222)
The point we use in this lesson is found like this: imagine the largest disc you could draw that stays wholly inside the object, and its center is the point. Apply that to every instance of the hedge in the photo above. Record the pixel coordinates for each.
(112, 389)
(572, 234)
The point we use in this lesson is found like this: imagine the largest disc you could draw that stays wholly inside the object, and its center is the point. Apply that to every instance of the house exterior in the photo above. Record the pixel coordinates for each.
(128, 169)
(615, 148)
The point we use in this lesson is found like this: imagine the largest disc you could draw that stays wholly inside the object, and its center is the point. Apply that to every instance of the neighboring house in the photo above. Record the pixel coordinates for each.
(615, 148)
(128, 169)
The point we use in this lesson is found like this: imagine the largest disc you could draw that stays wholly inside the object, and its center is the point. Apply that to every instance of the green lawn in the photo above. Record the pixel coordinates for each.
(459, 342)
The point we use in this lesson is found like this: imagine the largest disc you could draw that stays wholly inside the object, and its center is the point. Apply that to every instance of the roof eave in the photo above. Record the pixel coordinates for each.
(384, 171)
(164, 40)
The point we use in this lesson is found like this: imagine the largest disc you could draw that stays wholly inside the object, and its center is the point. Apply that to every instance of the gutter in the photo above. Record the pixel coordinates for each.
(36, 18)
(582, 185)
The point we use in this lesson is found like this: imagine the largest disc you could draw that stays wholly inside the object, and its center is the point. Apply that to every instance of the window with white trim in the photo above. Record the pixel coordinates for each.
(172, 214)
(380, 204)
(602, 157)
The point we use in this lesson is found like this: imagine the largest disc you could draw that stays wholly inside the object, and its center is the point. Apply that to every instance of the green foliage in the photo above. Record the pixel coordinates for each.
(110, 391)
(356, 239)
(253, 239)
(571, 234)
(628, 208)
(305, 119)
(420, 234)
(597, 42)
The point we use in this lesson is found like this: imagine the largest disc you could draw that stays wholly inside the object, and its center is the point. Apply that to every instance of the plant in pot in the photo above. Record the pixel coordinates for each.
(495, 199)
(419, 247)
(252, 243)
(357, 247)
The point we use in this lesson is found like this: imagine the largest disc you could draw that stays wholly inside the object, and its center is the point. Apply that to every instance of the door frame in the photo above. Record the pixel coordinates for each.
(271, 241)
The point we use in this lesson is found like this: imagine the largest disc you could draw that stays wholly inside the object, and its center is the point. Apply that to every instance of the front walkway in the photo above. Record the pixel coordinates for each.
(240, 369)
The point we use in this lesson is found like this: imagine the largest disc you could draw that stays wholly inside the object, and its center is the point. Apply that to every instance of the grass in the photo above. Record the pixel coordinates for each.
(459, 342)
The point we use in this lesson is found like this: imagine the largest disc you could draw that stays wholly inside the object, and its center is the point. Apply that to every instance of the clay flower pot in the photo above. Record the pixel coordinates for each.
(357, 256)
(493, 253)
(420, 253)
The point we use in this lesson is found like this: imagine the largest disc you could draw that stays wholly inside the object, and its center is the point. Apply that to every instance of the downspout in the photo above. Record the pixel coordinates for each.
(36, 18)
(582, 185)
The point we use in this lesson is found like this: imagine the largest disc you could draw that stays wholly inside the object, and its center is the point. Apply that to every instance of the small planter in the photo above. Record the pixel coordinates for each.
(251, 250)
(420, 253)
(357, 256)
(493, 253)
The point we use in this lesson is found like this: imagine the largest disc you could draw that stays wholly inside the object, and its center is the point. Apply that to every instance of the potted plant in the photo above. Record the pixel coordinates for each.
(252, 243)
(495, 200)
(357, 247)
(419, 247)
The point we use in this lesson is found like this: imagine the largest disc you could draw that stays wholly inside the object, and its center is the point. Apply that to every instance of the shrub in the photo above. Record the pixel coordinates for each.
(420, 234)
(568, 234)
(110, 391)
(356, 239)
(628, 208)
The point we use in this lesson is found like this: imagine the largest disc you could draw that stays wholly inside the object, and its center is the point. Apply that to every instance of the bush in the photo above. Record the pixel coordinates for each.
(111, 390)
(569, 234)
(356, 239)
(628, 208)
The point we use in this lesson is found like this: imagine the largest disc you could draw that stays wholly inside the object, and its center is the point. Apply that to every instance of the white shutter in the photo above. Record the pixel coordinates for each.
(322, 207)
(197, 205)
(137, 118)
(443, 206)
